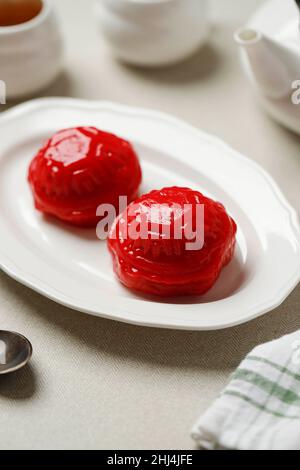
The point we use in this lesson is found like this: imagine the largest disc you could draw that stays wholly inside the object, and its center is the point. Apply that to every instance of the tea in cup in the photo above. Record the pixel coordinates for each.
(30, 46)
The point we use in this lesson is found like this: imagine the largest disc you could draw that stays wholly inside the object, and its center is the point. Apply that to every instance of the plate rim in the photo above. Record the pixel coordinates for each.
(16, 272)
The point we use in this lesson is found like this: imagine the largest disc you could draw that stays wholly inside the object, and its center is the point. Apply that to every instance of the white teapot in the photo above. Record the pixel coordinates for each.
(153, 32)
(270, 50)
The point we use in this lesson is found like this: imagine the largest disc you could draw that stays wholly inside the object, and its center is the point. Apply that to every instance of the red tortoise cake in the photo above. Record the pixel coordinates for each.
(150, 259)
(79, 169)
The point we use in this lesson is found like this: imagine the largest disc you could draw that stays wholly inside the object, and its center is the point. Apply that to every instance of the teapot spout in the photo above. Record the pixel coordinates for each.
(267, 63)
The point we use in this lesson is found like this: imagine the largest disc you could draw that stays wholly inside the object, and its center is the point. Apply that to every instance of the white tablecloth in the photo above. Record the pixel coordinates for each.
(98, 384)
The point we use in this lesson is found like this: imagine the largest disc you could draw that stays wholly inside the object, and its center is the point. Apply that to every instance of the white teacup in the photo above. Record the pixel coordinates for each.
(30, 53)
(153, 32)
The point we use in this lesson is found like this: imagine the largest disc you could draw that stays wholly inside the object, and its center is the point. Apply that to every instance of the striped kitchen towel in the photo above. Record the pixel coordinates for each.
(260, 407)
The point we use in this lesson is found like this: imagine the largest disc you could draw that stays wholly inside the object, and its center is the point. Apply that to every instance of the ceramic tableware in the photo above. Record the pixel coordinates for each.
(270, 52)
(153, 32)
(73, 267)
(30, 53)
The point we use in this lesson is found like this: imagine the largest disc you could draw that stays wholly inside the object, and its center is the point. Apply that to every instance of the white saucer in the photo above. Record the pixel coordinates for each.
(73, 268)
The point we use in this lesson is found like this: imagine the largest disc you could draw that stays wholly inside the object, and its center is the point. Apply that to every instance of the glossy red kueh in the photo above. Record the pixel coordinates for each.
(162, 265)
(78, 169)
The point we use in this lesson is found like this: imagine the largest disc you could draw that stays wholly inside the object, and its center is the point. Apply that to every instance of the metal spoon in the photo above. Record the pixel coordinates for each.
(15, 352)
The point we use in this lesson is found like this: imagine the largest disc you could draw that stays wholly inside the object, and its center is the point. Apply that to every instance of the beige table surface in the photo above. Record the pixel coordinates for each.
(98, 384)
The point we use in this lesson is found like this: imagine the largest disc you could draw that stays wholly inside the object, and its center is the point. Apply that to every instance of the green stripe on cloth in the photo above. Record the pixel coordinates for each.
(283, 394)
(258, 406)
(283, 369)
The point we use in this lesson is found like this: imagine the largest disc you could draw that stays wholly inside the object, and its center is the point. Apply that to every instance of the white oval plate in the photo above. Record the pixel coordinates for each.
(73, 268)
